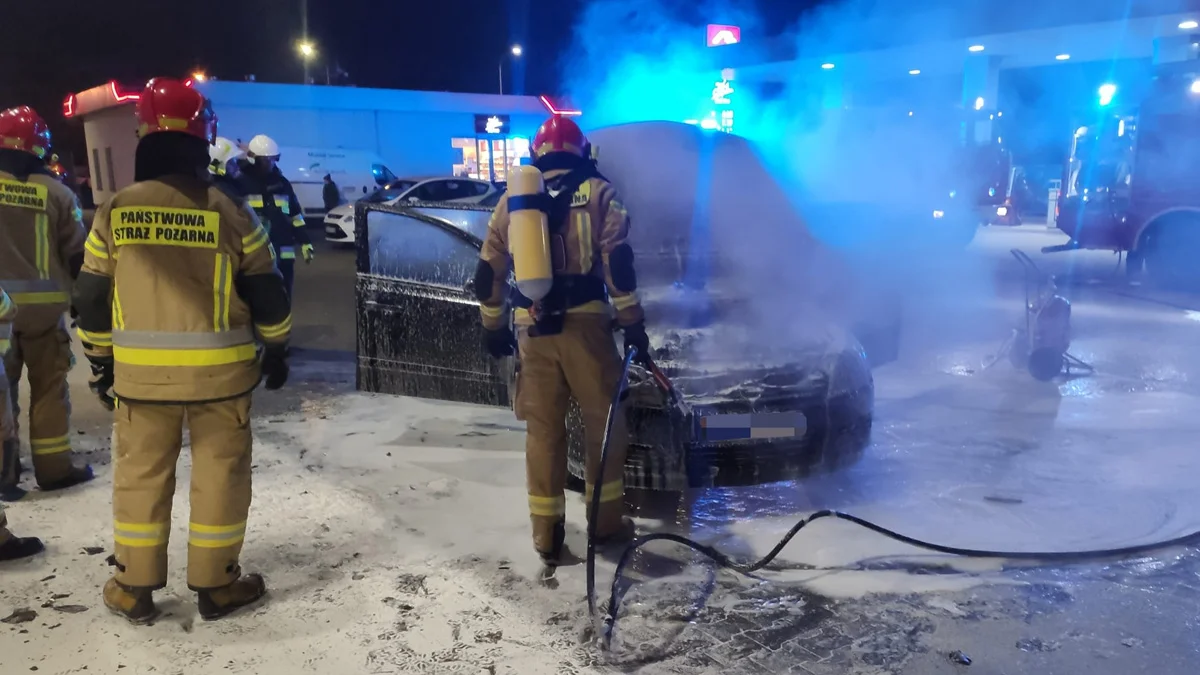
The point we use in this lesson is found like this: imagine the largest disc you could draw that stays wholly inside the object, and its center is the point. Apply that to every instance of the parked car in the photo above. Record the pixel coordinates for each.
(339, 222)
(768, 335)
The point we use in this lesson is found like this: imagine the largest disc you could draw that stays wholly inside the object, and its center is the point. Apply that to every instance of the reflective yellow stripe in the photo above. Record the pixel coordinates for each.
(491, 312)
(50, 446)
(5, 345)
(298, 221)
(43, 246)
(47, 298)
(548, 507)
(255, 201)
(621, 302)
(141, 535)
(255, 240)
(96, 246)
(583, 228)
(216, 536)
(609, 492)
(222, 289)
(137, 356)
(277, 330)
(283, 204)
(6, 303)
(118, 317)
(287, 253)
(96, 339)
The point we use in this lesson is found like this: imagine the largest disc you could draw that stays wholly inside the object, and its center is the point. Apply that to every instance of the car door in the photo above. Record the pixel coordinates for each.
(418, 318)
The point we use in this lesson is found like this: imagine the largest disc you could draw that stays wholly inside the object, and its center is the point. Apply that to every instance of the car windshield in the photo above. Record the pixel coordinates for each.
(390, 191)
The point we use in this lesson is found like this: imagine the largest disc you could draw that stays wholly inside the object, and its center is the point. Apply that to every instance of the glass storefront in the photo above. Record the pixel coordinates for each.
(489, 158)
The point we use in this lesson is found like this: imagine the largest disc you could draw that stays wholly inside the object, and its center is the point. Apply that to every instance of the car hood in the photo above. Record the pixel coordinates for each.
(340, 211)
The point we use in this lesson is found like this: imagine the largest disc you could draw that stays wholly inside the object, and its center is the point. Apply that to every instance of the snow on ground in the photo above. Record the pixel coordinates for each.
(394, 536)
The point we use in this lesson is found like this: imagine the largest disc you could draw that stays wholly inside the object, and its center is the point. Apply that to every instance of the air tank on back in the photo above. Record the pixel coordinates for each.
(528, 234)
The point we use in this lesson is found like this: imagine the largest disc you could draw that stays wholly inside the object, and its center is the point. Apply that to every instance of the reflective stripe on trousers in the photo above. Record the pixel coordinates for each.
(161, 348)
(287, 252)
(39, 292)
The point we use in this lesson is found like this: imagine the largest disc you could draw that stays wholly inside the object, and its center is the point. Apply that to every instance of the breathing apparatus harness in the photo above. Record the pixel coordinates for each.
(606, 625)
(568, 290)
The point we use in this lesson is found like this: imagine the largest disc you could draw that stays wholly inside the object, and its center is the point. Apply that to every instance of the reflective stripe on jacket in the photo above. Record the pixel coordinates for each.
(178, 252)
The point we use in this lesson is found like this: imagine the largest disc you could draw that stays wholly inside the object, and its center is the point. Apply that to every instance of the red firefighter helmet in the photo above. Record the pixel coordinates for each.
(559, 134)
(23, 129)
(170, 105)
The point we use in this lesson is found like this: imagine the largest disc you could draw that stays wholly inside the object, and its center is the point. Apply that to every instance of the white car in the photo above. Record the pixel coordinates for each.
(339, 221)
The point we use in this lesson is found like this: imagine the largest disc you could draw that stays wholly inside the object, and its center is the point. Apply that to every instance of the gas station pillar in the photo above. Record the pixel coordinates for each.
(981, 80)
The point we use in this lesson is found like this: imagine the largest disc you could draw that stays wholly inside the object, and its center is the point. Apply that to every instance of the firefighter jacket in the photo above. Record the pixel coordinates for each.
(177, 281)
(273, 199)
(592, 259)
(41, 246)
(8, 312)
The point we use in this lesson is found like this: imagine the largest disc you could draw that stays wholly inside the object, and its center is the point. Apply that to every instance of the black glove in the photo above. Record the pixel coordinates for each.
(635, 336)
(102, 379)
(275, 366)
(499, 343)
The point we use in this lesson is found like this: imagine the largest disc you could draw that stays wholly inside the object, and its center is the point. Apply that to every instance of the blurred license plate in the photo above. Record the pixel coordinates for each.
(753, 426)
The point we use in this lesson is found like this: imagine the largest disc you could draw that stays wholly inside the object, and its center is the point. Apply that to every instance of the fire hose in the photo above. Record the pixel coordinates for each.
(609, 621)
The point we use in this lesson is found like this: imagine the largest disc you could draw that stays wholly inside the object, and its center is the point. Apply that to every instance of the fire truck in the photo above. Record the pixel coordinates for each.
(1132, 181)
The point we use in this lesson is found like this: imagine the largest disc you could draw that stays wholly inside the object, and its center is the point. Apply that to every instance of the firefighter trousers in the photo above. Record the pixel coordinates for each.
(287, 268)
(46, 356)
(581, 362)
(148, 441)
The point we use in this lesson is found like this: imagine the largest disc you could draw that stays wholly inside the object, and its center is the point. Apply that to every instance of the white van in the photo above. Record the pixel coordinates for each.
(356, 173)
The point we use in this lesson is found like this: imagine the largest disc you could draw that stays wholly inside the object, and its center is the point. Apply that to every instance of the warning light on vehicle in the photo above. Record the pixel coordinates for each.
(1002, 211)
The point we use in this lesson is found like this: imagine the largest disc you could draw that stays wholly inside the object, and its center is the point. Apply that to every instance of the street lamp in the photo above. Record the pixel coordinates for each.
(307, 49)
(516, 51)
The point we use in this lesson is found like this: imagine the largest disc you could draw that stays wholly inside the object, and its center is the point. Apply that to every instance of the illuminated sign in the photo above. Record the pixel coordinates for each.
(721, 92)
(491, 124)
(720, 35)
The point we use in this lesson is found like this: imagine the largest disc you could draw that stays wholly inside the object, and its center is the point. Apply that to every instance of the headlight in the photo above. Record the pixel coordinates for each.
(939, 214)
(1002, 211)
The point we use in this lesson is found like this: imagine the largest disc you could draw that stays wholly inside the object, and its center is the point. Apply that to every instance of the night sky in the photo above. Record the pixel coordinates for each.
(450, 45)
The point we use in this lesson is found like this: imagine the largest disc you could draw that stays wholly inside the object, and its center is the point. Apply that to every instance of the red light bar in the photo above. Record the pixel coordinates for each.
(118, 97)
(555, 111)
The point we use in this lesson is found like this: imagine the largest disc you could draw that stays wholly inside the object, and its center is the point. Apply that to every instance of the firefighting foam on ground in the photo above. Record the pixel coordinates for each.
(832, 325)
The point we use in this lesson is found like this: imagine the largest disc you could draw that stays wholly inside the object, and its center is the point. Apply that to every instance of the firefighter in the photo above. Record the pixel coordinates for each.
(177, 281)
(223, 163)
(273, 198)
(566, 343)
(11, 547)
(41, 250)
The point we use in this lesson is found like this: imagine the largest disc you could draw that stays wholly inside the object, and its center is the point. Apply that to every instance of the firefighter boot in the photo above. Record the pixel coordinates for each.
(218, 603)
(17, 548)
(75, 476)
(136, 605)
(556, 556)
(623, 534)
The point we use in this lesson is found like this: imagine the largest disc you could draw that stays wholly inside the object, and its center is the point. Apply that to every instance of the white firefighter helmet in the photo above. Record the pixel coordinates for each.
(222, 152)
(263, 146)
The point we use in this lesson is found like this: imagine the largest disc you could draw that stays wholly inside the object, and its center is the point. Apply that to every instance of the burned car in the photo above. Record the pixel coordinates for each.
(753, 321)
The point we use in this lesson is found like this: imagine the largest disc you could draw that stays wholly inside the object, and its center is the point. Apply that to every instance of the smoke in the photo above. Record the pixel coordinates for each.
(863, 153)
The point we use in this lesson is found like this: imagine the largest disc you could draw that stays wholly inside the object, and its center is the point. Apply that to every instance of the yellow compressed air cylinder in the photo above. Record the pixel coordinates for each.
(529, 233)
